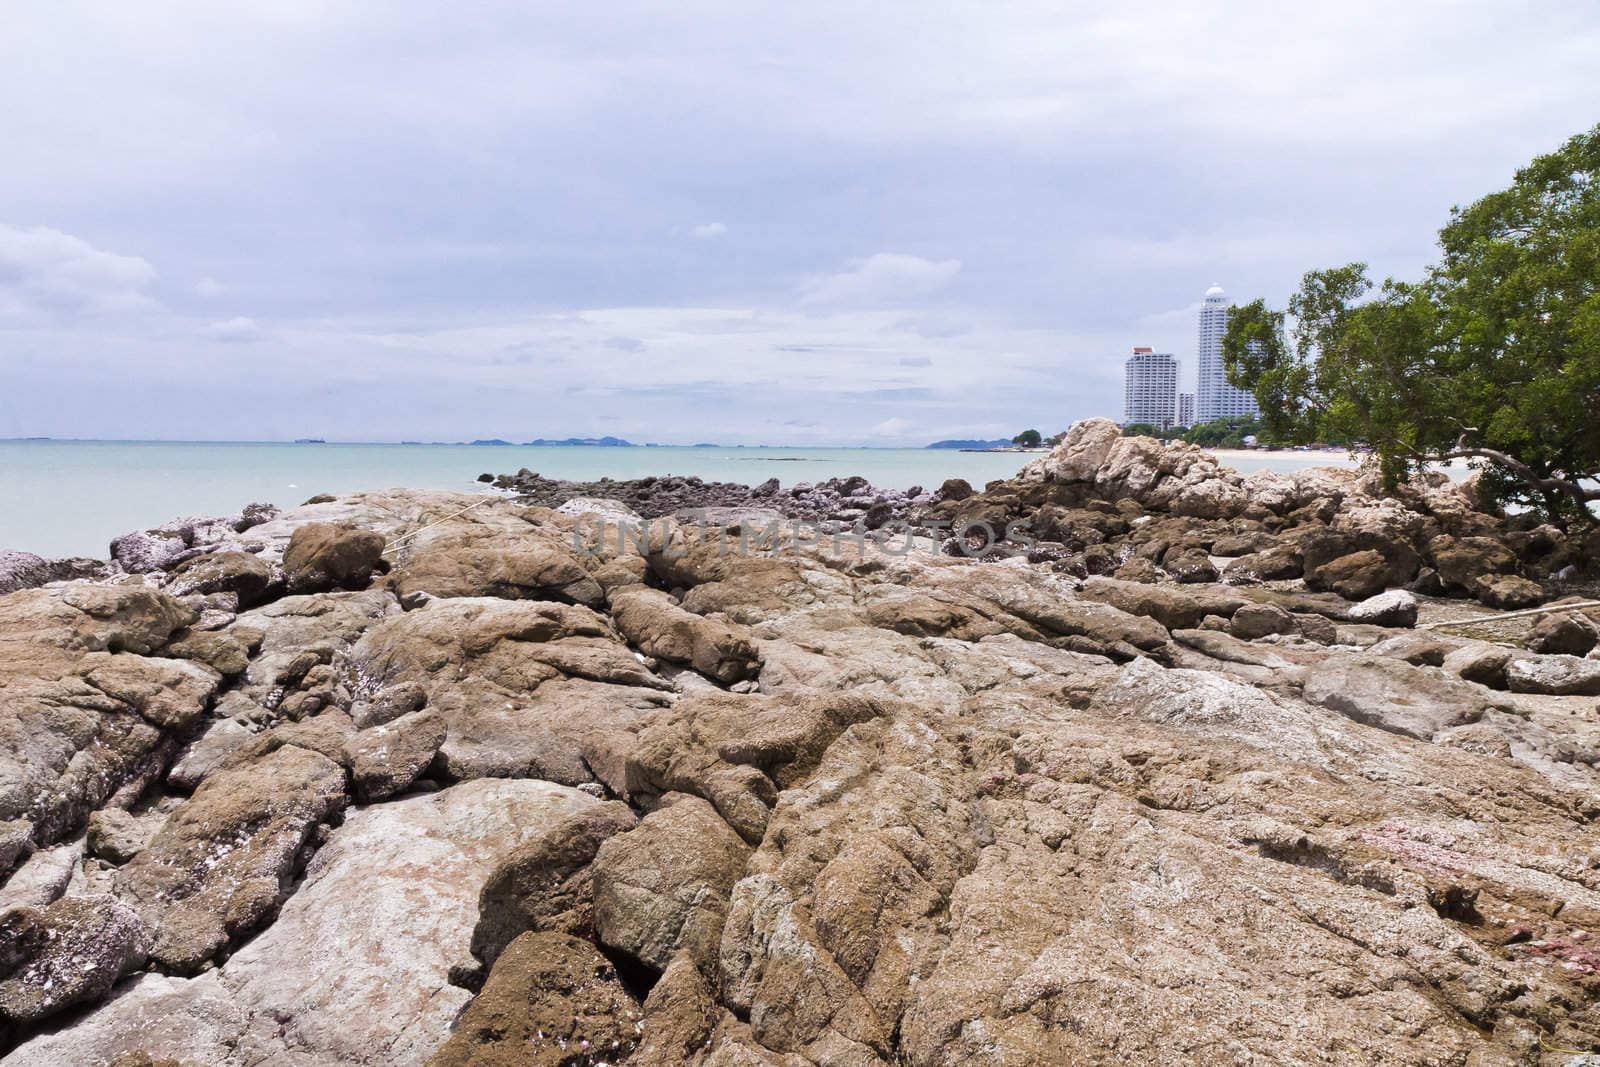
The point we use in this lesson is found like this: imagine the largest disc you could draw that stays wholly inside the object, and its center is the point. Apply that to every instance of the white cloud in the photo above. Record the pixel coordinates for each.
(45, 271)
(237, 330)
(708, 230)
(884, 279)
(209, 287)
(892, 427)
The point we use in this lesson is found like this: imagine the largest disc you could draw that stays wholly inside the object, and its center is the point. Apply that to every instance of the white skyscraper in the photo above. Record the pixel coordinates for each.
(1214, 397)
(1185, 409)
(1150, 388)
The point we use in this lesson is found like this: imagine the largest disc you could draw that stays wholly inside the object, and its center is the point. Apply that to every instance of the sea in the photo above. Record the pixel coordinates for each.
(70, 498)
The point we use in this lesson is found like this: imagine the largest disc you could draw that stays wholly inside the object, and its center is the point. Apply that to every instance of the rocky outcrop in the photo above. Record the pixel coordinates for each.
(516, 797)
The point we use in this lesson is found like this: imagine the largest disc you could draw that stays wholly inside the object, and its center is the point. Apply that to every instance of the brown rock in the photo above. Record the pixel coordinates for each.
(324, 555)
(665, 885)
(550, 1001)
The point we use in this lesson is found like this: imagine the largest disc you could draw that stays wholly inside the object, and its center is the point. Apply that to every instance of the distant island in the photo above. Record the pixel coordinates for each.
(591, 442)
(1001, 442)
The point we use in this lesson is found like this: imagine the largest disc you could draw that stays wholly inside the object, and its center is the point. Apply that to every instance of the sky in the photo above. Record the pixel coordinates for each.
(811, 224)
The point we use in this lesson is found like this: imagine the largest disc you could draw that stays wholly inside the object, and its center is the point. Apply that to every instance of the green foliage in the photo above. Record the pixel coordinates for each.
(1140, 429)
(1028, 439)
(1223, 433)
(1494, 354)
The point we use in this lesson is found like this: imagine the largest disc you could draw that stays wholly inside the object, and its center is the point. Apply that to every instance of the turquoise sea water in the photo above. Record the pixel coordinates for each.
(70, 498)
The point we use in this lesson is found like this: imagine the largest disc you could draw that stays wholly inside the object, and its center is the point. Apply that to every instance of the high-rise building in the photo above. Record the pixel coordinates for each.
(1185, 409)
(1150, 388)
(1214, 397)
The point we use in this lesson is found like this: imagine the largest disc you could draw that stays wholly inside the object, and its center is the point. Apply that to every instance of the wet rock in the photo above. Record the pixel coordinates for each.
(1191, 567)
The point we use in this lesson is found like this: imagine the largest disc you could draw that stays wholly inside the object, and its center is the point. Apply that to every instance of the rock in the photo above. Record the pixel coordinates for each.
(117, 836)
(389, 757)
(225, 859)
(1355, 576)
(483, 561)
(1419, 649)
(64, 953)
(356, 967)
(1176, 609)
(24, 570)
(1461, 561)
(43, 877)
(661, 629)
(955, 489)
(1259, 620)
(550, 1001)
(545, 883)
(1393, 695)
(1080, 454)
(1210, 499)
(1394, 608)
(1191, 567)
(240, 573)
(1270, 565)
(1568, 634)
(324, 555)
(1508, 591)
(1553, 675)
(1480, 662)
(665, 885)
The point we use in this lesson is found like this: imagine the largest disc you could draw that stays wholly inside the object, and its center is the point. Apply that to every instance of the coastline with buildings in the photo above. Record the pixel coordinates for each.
(1152, 394)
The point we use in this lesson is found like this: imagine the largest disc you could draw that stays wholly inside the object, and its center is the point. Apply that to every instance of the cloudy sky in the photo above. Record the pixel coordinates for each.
(826, 222)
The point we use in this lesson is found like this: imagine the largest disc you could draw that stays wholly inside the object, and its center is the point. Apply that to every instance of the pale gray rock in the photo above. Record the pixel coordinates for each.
(1553, 675)
(1396, 607)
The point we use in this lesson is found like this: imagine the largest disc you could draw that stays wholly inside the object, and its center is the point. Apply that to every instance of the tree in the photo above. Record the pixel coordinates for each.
(1140, 429)
(1494, 355)
(1027, 439)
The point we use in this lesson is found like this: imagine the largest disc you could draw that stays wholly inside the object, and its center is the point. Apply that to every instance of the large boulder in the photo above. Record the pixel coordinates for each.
(1507, 591)
(665, 885)
(324, 555)
(535, 564)
(1553, 675)
(1461, 561)
(1355, 576)
(1081, 453)
(1569, 634)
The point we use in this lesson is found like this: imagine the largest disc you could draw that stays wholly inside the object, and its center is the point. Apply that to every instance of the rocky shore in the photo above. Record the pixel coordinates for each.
(1128, 758)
